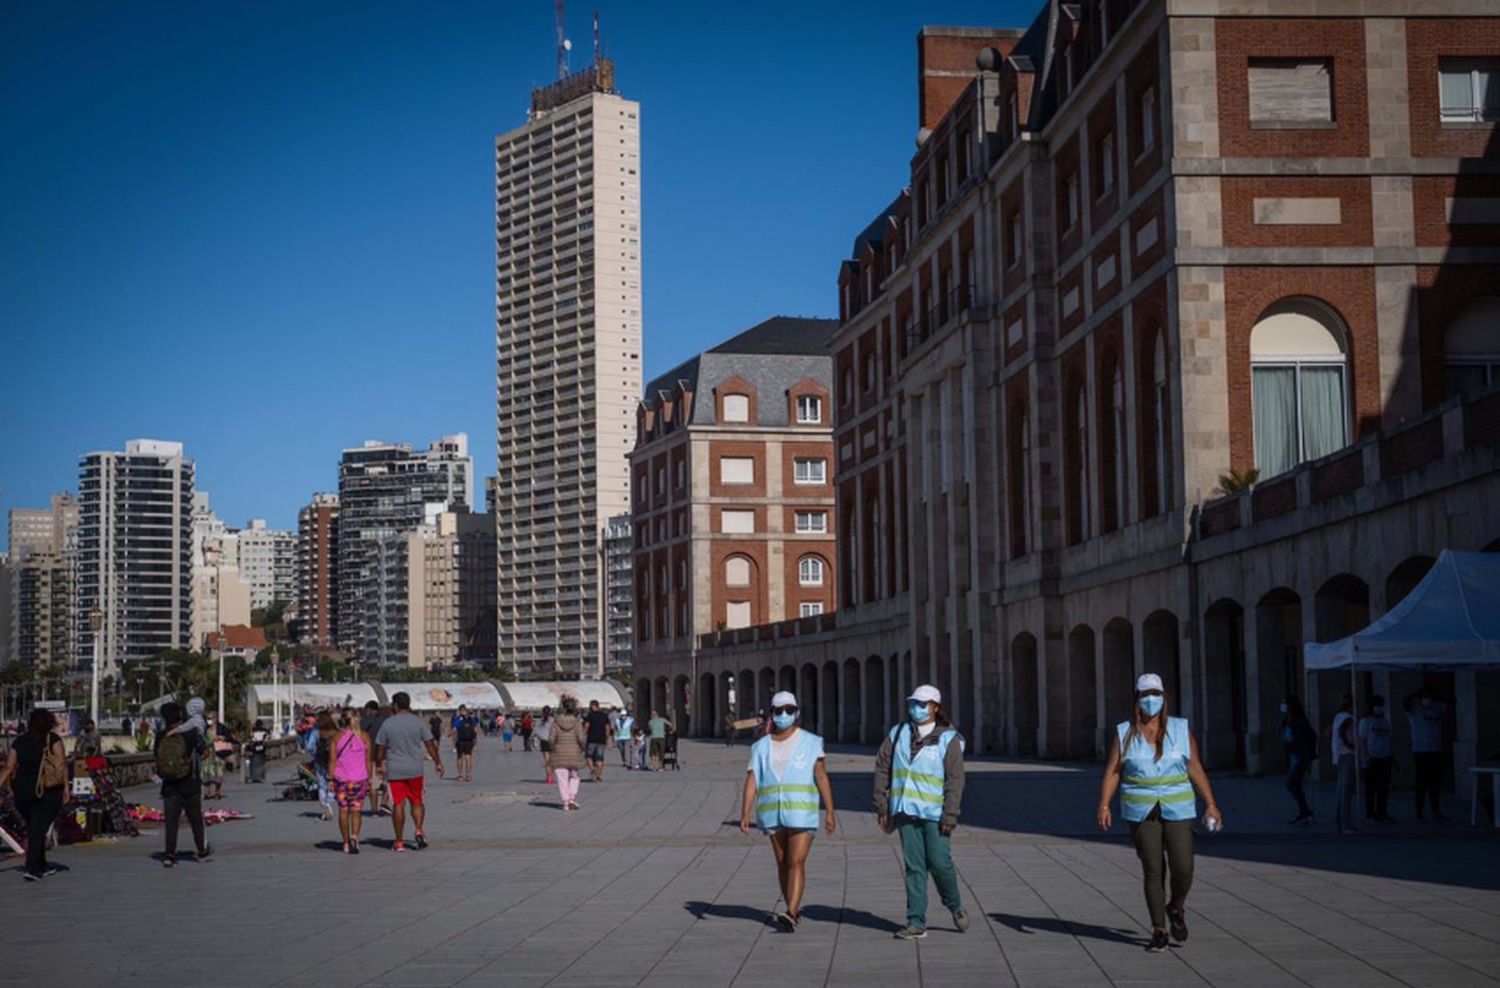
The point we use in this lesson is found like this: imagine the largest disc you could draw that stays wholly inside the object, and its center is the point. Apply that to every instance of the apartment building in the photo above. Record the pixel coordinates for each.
(220, 595)
(1147, 249)
(317, 570)
(733, 499)
(268, 562)
(135, 560)
(42, 565)
(619, 595)
(384, 492)
(568, 361)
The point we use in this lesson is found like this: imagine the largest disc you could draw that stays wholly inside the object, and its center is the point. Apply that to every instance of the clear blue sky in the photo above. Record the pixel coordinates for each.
(266, 229)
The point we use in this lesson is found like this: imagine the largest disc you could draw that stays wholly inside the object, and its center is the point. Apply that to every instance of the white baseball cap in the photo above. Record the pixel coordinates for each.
(926, 694)
(784, 699)
(1149, 681)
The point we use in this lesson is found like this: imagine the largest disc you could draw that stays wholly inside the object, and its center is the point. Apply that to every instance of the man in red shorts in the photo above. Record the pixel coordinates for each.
(400, 745)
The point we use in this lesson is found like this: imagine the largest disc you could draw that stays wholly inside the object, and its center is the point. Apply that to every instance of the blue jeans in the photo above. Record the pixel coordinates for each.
(1296, 771)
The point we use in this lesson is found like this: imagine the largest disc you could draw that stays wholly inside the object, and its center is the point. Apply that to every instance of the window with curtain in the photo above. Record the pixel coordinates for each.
(1469, 89)
(1471, 349)
(810, 571)
(1298, 386)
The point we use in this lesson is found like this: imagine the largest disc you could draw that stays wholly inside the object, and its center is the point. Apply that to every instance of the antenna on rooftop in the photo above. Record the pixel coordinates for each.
(562, 42)
(596, 37)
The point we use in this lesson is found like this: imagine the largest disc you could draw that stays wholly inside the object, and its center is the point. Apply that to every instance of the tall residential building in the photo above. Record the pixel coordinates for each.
(619, 595)
(317, 570)
(439, 584)
(135, 561)
(384, 490)
(568, 360)
(221, 596)
(734, 506)
(7, 581)
(43, 569)
(268, 562)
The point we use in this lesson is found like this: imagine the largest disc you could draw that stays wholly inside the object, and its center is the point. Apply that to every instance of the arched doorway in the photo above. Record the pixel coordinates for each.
(642, 693)
(875, 714)
(1341, 607)
(850, 696)
(1279, 668)
(682, 706)
(1407, 574)
(1225, 716)
(1023, 696)
(828, 702)
(1160, 654)
(706, 717)
(1080, 696)
(788, 683)
(807, 697)
(1119, 672)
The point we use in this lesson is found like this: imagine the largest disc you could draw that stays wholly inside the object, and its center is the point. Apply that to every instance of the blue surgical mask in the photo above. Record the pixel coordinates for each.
(918, 712)
(1151, 705)
(783, 721)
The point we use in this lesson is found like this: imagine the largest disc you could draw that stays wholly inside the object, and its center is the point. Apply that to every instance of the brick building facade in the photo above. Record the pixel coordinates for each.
(1144, 245)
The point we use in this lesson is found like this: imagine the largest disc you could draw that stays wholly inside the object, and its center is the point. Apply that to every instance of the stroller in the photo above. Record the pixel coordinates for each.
(669, 753)
(303, 788)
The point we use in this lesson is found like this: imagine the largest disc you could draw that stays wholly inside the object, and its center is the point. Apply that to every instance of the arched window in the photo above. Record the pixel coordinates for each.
(736, 408)
(1471, 348)
(737, 571)
(1161, 411)
(1298, 371)
(810, 571)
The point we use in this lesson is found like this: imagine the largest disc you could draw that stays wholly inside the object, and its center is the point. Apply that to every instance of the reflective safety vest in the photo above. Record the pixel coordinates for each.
(1146, 782)
(791, 800)
(917, 781)
(622, 732)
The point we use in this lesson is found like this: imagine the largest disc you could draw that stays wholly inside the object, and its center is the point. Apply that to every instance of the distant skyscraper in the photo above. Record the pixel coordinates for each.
(317, 570)
(135, 560)
(43, 568)
(619, 595)
(268, 562)
(384, 490)
(568, 360)
(221, 596)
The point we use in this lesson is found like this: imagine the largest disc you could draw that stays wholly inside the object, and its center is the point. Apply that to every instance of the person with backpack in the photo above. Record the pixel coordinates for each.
(178, 755)
(465, 728)
(36, 769)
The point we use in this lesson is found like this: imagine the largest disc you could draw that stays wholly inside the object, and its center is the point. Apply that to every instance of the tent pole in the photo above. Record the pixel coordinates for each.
(1359, 783)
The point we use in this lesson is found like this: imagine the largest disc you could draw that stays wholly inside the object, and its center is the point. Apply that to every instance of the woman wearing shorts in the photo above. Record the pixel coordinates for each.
(783, 784)
(350, 763)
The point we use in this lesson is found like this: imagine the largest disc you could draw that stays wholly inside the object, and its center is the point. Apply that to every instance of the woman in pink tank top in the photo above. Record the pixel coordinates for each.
(350, 759)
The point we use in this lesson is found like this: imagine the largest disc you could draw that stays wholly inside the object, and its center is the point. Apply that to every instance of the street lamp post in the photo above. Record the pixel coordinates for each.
(275, 693)
(221, 686)
(96, 624)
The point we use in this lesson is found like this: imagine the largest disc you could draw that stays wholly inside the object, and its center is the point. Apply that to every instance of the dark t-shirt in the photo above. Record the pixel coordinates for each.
(598, 723)
(28, 764)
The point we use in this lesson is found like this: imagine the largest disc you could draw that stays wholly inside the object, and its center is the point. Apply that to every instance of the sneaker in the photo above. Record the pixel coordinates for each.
(1158, 942)
(30, 877)
(909, 932)
(421, 841)
(168, 861)
(50, 870)
(399, 847)
(1178, 921)
(206, 853)
(354, 847)
(785, 921)
(961, 920)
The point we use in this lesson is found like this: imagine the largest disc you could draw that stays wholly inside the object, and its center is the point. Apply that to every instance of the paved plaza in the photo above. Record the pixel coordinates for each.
(651, 883)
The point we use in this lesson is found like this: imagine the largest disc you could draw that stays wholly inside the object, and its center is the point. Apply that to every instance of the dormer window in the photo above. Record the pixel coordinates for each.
(736, 408)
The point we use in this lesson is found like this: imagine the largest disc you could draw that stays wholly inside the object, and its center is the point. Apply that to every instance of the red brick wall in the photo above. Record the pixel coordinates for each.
(719, 449)
(1249, 291)
(1342, 39)
(1150, 209)
(948, 54)
(1426, 42)
(795, 592)
(1140, 75)
(1102, 125)
(1241, 230)
(757, 593)
(1442, 295)
(1064, 164)
(1103, 293)
(1429, 194)
(816, 450)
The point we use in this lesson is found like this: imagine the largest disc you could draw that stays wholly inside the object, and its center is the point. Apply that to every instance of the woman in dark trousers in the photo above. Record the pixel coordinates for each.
(1300, 741)
(178, 750)
(36, 769)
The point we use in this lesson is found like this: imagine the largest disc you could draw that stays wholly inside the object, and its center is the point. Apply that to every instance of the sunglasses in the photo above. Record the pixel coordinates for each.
(783, 710)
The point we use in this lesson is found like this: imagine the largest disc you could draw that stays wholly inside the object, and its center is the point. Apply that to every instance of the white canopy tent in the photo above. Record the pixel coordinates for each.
(1449, 622)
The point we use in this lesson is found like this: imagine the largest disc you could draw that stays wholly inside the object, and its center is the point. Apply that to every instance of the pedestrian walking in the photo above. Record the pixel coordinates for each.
(1154, 764)
(567, 743)
(259, 739)
(435, 724)
(640, 746)
(369, 721)
(658, 726)
(349, 766)
(919, 790)
(1377, 760)
(465, 728)
(179, 754)
(1299, 740)
(399, 746)
(1344, 753)
(528, 727)
(625, 736)
(542, 732)
(600, 736)
(507, 731)
(1425, 714)
(784, 782)
(36, 770)
(325, 729)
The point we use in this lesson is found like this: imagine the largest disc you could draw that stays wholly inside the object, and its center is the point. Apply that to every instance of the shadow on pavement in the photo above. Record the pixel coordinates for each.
(1051, 924)
(851, 917)
(726, 911)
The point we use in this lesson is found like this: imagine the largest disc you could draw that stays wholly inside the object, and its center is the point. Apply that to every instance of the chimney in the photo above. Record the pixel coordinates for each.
(945, 63)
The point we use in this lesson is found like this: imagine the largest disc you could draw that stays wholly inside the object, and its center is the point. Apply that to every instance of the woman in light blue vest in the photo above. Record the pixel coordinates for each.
(1153, 762)
(919, 787)
(785, 780)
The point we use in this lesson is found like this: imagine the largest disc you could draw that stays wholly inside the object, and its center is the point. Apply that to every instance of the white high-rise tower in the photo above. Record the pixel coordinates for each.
(568, 362)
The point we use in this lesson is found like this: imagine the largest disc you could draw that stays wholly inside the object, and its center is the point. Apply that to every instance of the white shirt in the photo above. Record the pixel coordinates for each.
(1375, 736)
(925, 729)
(1340, 749)
(1427, 725)
(781, 753)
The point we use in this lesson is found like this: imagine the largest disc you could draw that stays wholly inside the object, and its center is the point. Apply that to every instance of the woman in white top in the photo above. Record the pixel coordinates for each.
(1341, 731)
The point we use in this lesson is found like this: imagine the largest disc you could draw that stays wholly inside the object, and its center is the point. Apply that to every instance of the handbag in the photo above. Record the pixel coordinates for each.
(53, 773)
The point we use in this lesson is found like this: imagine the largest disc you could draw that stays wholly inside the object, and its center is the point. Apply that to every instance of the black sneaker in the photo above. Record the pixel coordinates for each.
(1158, 942)
(50, 870)
(785, 921)
(30, 877)
(421, 841)
(909, 932)
(168, 861)
(1178, 921)
(206, 853)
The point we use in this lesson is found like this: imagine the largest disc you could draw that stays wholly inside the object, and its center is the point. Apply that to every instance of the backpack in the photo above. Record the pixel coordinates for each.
(174, 761)
(53, 772)
(466, 729)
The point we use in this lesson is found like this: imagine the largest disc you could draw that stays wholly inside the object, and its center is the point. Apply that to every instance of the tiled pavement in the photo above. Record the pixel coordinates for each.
(652, 883)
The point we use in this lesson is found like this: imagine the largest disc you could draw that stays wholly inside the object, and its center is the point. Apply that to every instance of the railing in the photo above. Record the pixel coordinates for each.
(775, 631)
(947, 308)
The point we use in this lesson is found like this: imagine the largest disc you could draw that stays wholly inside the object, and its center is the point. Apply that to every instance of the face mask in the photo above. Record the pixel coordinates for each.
(1151, 705)
(918, 712)
(1283, 708)
(783, 721)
